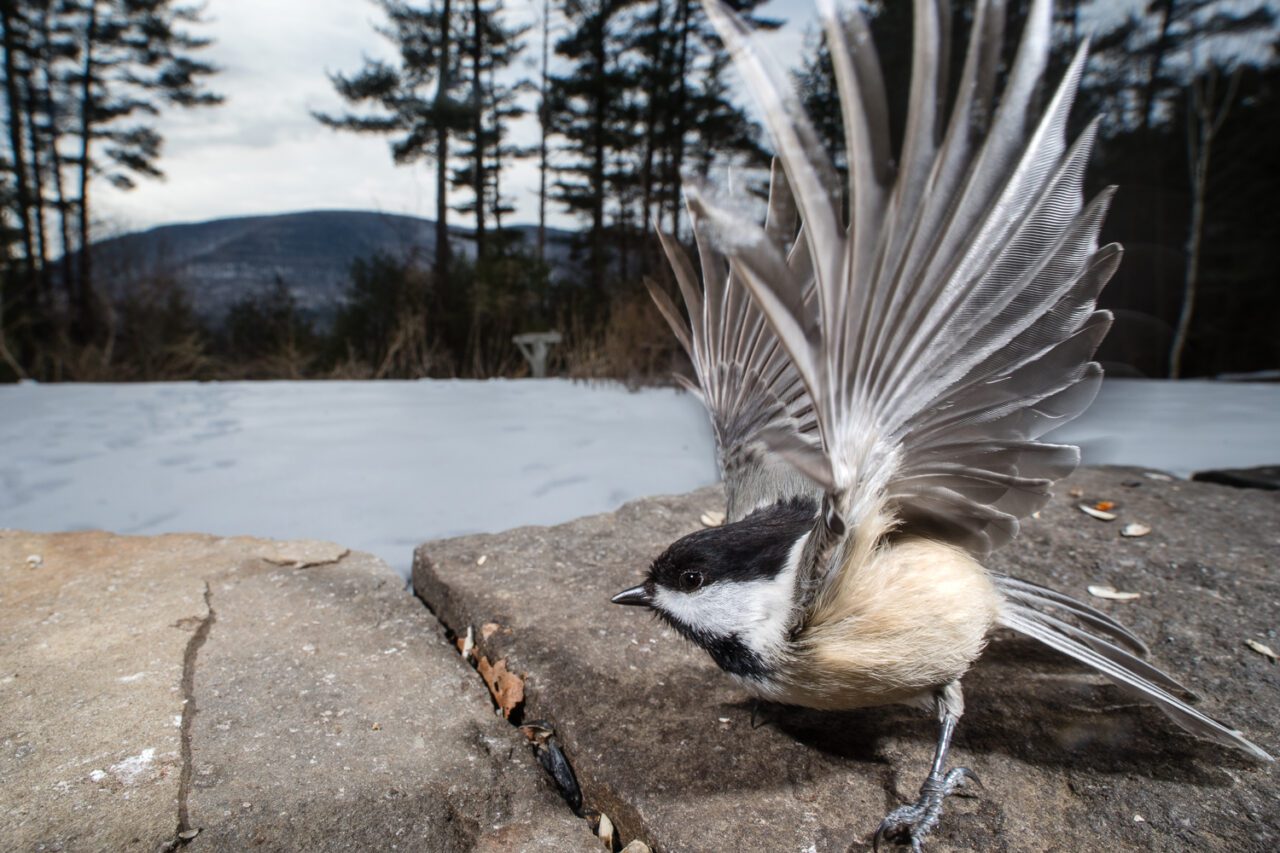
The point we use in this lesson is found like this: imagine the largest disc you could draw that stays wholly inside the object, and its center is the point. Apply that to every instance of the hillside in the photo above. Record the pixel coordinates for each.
(222, 260)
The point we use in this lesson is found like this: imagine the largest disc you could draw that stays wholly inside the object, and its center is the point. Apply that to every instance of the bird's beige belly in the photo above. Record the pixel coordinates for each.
(911, 620)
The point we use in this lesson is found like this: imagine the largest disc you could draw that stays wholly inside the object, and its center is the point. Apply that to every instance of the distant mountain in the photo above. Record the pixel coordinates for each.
(223, 260)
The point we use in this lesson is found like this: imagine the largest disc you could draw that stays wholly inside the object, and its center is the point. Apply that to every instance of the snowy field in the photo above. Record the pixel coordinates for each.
(383, 466)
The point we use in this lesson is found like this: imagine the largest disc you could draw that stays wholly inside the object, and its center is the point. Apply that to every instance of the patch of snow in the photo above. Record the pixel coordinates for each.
(1180, 427)
(383, 466)
(376, 466)
(128, 770)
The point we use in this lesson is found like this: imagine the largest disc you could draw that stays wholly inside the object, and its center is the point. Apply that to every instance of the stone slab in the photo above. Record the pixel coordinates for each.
(668, 748)
(1258, 477)
(269, 695)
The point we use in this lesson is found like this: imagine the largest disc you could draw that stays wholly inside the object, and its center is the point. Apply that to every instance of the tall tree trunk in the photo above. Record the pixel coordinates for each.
(544, 120)
(678, 116)
(38, 202)
(1204, 120)
(55, 156)
(25, 278)
(495, 171)
(598, 156)
(84, 321)
(1158, 50)
(442, 149)
(658, 61)
(17, 153)
(477, 126)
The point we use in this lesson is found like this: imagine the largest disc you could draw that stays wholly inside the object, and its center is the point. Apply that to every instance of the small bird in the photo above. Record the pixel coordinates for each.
(879, 361)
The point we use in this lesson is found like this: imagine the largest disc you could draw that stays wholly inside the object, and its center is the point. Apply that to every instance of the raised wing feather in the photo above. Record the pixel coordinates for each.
(746, 380)
(953, 320)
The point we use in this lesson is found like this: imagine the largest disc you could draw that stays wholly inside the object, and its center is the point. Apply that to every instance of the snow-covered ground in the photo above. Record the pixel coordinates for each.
(1179, 427)
(382, 466)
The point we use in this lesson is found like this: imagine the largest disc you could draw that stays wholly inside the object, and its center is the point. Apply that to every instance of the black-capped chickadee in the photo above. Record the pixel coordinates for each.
(877, 383)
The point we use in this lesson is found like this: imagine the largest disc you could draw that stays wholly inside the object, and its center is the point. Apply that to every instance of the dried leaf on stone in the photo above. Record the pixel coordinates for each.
(1100, 514)
(1134, 529)
(488, 629)
(1262, 649)
(712, 518)
(507, 687)
(1111, 593)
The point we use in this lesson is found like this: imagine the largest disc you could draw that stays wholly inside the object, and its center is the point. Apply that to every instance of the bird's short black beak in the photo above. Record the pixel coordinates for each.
(637, 596)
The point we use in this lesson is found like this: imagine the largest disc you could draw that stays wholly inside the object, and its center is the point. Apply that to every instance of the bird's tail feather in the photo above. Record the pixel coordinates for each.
(1020, 613)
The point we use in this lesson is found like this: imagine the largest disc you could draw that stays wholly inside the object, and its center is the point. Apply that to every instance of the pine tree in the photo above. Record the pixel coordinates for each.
(417, 101)
(584, 103)
(645, 89)
(490, 48)
(90, 76)
(134, 58)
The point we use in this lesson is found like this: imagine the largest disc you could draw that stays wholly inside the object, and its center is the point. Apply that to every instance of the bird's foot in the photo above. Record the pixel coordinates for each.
(908, 825)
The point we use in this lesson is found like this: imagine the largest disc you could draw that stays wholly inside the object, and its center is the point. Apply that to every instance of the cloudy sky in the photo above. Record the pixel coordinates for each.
(262, 152)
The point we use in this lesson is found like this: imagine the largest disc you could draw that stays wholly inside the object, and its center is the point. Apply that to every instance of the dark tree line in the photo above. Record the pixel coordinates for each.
(84, 81)
(630, 97)
(629, 100)
(1188, 95)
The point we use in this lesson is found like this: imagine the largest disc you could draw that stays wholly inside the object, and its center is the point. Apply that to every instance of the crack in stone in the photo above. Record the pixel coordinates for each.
(581, 810)
(194, 645)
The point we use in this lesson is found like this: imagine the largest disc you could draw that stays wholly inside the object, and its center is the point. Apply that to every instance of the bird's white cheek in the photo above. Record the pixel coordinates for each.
(717, 609)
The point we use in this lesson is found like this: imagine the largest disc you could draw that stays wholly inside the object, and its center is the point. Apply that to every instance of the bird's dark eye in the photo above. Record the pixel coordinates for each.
(689, 581)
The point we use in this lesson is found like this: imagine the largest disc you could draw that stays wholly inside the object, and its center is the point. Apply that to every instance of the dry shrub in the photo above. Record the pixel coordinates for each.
(634, 346)
(412, 352)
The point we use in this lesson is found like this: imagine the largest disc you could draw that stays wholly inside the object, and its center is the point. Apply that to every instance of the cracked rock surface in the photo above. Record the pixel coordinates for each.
(666, 746)
(269, 695)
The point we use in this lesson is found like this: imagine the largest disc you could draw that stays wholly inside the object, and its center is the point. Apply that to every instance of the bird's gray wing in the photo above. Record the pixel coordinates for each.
(745, 379)
(953, 318)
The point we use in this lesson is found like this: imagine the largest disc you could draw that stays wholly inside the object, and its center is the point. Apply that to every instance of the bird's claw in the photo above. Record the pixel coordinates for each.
(908, 825)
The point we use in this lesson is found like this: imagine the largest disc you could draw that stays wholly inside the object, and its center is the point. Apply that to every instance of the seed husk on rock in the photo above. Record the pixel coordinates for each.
(1110, 592)
(1262, 649)
(1096, 510)
(605, 831)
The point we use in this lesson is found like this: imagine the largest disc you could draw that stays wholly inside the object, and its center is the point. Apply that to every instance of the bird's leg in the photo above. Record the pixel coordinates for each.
(910, 824)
